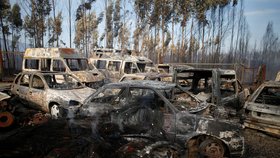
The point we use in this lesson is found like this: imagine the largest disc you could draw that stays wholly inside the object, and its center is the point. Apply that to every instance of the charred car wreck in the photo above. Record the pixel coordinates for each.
(219, 87)
(152, 125)
(114, 67)
(262, 111)
(62, 60)
(51, 92)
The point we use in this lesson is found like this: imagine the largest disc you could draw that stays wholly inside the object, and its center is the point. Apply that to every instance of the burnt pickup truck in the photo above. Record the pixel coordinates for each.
(219, 87)
(154, 126)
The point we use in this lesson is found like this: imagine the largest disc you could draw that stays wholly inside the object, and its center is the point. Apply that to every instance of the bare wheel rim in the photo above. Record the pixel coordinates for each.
(55, 111)
(212, 149)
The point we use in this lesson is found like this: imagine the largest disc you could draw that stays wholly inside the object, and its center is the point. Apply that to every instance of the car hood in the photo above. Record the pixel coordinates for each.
(89, 76)
(74, 94)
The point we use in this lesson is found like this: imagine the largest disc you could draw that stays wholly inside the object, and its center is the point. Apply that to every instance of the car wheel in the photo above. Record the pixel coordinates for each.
(211, 149)
(55, 111)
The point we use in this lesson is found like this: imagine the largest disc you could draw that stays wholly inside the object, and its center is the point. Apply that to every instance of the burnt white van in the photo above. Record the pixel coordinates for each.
(62, 60)
(114, 67)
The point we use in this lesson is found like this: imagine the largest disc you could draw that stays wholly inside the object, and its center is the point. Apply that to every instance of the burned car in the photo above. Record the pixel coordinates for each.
(219, 87)
(62, 60)
(145, 116)
(147, 76)
(262, 111)
(114, 67)
(51, 92)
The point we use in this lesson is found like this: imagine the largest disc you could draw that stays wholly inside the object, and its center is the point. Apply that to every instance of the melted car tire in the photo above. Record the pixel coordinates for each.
(211, 148)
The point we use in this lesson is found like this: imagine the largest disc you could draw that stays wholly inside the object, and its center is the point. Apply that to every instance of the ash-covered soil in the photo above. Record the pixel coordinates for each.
(261, 145)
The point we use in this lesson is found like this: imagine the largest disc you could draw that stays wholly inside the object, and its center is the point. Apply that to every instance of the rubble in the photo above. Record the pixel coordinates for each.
(136, 119)
(86, 138)
(139, 108)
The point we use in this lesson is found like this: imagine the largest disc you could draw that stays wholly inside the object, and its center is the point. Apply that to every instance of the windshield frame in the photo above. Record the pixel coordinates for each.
(80, 64)
(64, 84)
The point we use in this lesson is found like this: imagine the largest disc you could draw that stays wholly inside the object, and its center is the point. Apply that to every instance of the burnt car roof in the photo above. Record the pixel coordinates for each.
(149, 74)
(143, 83)
(44, 72)
(190, 69)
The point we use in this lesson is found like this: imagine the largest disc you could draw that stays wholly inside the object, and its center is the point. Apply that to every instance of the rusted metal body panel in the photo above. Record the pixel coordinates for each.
(41, 90)
(262, 109)
(140, 108)
(63, 60)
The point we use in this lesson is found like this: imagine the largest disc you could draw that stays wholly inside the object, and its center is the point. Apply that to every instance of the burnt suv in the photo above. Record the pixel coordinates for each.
(154, 126)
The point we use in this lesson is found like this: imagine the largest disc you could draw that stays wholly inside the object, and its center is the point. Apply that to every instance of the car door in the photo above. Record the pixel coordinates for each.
(36, 93)
(169, 119)
(15, 85)
(22, 88)
(155, 112)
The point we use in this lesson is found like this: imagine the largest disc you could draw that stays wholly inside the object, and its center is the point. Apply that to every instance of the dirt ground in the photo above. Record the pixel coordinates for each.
(261, 145)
